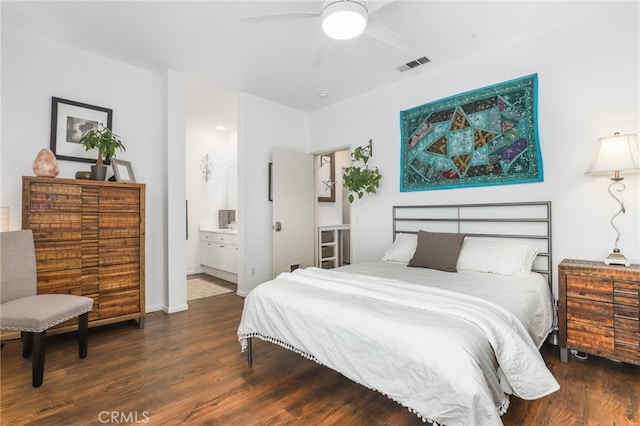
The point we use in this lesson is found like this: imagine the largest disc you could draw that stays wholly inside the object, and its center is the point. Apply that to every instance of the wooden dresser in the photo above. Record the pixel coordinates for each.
(599, 309)
(89, 238)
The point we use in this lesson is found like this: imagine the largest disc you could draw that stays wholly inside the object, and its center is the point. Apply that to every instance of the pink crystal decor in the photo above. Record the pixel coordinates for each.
(45, 164)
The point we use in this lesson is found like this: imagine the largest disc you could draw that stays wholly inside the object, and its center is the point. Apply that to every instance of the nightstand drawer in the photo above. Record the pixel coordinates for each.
(590, 312)
(592, 288)
(626, 293)
(585, 335)
(627, 343)
(627, 338)
(626, 313)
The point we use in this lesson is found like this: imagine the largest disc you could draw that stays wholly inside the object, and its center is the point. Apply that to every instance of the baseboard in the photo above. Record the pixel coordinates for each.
(149, 309)
(175, 309)
(195, 272)
(227, 276)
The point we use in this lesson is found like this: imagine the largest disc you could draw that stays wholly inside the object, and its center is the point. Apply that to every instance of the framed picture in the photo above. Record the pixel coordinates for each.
(122, 170)
(326, 178)
(69, 121)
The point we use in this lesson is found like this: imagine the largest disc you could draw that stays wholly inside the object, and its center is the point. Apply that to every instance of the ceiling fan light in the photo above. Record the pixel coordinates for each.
(344, 19)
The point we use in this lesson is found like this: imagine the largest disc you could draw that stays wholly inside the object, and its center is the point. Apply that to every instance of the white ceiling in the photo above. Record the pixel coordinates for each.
(288, 62)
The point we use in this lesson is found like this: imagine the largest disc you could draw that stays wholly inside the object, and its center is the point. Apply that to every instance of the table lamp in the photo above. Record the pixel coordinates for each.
(617, 155)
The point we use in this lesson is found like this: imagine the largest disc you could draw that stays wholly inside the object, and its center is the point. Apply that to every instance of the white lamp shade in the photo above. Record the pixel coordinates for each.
(618, 153)
(344, 19)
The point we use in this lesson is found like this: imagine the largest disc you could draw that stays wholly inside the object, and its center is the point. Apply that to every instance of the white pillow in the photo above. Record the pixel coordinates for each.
(496, 257)
(402, 249)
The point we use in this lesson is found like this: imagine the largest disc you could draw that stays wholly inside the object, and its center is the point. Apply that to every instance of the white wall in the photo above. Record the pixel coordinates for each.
(588, 76)
(34, 70)
(262, 126)
(206, 198)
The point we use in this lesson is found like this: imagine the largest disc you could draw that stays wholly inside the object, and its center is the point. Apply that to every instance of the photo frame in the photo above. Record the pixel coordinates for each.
(326, 181)
(122, 170)
(69, 120)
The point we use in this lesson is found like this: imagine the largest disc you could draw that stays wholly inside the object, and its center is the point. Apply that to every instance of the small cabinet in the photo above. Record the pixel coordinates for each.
(331, 239)
(599, 309)
(219, 251)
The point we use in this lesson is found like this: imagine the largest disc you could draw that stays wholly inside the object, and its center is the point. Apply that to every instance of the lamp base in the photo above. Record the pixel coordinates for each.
(617, 258)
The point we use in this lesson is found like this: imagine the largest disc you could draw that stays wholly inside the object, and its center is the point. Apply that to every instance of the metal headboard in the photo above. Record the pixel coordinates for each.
(528, 222)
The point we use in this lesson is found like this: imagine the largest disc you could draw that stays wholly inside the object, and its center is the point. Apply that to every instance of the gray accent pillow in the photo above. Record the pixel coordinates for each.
(437, 250)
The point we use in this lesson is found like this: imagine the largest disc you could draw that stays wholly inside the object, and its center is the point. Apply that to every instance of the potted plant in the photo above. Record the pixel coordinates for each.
(360, 178)
(105, 142)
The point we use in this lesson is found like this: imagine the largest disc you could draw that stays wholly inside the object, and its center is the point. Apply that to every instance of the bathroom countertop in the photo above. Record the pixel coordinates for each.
(218, 230)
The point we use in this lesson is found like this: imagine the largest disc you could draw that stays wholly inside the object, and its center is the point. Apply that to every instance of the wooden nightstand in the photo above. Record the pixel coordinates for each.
(599, 309)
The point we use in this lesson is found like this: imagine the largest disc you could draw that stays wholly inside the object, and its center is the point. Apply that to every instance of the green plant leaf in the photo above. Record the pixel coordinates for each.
(359, 178)
(103, 140)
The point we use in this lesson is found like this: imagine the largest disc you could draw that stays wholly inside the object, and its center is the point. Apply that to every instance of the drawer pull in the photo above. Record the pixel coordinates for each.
(622, 342)
(625, 317)
(630, 293)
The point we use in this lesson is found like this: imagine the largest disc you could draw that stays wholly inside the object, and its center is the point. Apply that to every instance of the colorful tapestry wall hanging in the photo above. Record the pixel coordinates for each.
(483, 137)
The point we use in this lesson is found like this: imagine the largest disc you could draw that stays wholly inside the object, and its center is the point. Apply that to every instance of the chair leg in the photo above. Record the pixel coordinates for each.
(27, 343)
(83, 334)
(38, 357)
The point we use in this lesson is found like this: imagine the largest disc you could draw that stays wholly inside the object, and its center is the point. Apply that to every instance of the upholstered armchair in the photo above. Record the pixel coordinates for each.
(22, 309)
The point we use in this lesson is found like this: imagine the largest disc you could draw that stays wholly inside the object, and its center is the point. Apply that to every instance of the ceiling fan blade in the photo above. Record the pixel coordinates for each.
(379, 31)
(279, 17)
(374, 5)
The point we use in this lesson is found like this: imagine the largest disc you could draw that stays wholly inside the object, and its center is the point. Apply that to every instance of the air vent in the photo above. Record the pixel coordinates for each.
(413, 64)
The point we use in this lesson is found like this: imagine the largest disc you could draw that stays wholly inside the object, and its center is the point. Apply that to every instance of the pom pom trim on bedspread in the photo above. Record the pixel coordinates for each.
(243, 345)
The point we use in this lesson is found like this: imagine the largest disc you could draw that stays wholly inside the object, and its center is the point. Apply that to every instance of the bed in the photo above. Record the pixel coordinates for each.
(450, 346)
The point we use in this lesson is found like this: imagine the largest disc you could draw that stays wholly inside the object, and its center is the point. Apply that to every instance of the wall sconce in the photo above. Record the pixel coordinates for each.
(4, 219)
(616, 154)
(206, 168)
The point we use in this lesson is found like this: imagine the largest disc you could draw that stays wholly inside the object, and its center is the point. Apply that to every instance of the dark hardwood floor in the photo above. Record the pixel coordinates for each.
(186, 368)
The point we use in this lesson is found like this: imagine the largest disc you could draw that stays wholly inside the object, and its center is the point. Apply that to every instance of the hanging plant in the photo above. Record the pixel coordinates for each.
(360, 178)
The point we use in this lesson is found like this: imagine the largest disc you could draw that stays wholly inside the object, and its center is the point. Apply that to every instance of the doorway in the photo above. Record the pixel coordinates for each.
(203, 285)
(333, 210)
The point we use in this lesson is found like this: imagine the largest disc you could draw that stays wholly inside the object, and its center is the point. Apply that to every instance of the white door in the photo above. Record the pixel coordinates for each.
(293, 193)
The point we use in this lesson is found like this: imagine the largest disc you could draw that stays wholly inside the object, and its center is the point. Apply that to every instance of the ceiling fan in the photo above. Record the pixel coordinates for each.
(343, 20)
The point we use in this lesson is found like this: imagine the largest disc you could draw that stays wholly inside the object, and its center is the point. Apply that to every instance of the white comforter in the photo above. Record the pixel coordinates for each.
(451, 358)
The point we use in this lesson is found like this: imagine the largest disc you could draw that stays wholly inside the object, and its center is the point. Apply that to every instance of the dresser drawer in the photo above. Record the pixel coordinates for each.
(587, 335)
(119, 303)
(626, 293)
(626, 314)
(217, 237)
(627, 349)
(592, 288)
(590, 312)
(65, 281)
